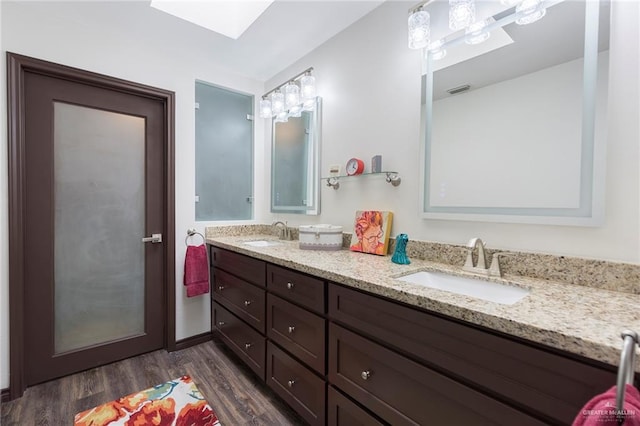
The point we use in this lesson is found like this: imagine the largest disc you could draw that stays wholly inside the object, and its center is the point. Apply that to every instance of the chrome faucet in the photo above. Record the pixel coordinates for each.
(285, 232)
(480, 267)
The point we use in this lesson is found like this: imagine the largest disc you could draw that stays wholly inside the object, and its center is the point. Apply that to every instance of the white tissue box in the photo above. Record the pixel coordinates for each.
(320, 237)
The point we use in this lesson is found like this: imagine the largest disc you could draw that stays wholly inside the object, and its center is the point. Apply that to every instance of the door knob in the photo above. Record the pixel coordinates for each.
(154, 238)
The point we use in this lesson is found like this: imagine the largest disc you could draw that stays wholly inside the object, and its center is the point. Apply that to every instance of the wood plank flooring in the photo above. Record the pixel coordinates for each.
(236, 395)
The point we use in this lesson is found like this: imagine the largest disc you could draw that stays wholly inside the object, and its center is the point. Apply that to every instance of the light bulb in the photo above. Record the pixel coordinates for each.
(308, 86)
(419, 29)
(530, 11)
(462, 13)
(476, 33)
(436, 51)
(295, 111)
(265, 108)
(277, 102)
(282, 117)
(291, 95)
(309, 105)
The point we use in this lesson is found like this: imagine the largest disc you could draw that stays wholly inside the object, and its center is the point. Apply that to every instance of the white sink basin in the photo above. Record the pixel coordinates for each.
(262, 243)
(480, 289)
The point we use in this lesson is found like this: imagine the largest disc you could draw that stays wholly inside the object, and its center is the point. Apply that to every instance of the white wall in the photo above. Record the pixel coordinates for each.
(370, 83)
(147, 54)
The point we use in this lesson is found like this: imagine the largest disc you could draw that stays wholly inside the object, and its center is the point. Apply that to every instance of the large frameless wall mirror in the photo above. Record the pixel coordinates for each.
(514, 127)
(295, 163)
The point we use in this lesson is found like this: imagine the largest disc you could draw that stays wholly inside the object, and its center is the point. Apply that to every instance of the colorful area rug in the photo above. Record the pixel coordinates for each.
(177, 402)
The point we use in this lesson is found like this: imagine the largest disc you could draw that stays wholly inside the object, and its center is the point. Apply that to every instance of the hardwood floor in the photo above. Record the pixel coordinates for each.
(235, 394)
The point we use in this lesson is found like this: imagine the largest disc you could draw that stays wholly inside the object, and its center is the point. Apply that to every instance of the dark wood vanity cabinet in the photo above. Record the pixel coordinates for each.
(341, 356)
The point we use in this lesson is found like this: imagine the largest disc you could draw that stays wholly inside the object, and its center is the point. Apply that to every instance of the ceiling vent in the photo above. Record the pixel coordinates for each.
(459, 89)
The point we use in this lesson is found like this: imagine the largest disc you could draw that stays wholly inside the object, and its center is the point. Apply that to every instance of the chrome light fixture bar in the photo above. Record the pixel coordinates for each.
(290, 98)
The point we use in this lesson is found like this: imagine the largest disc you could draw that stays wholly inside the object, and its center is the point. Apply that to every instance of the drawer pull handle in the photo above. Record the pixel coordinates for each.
(290, 286)
(291, 329)
(290, 383)
(247, 346)
(220, 287)
(220, 324)
(247, 302)
(365, 375)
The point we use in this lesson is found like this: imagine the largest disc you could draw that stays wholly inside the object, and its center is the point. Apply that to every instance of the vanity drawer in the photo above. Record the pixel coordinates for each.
(549, 385)
(247, 343)
(243, 299)
(403, 392)
(298, 331)
(297, 385)
(341, 411)
(245, 267)
(297, 287)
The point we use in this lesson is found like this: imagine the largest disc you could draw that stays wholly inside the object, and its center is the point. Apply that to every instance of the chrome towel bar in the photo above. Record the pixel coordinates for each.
(626, 370)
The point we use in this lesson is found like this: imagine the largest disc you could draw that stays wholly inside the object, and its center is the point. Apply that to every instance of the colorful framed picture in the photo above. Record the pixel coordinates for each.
(371, 232)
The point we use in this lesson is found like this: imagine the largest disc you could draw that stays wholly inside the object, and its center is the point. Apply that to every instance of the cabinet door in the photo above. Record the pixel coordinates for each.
(245, 267)
(247, 343)
(243, 299)
(403, 392)
(297, 287)
(341, 411)
(298, 331)
(297, 385)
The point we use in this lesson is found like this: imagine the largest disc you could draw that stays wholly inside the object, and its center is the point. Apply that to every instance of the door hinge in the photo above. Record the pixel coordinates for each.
(250, 200)
(250, 117)
(197, 105)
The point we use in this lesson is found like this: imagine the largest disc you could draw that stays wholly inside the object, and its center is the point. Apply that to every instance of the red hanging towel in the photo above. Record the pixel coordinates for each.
(601, 409)
(196, 271)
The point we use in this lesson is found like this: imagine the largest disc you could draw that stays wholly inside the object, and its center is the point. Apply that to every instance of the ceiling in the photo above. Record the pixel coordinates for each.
(285, 32)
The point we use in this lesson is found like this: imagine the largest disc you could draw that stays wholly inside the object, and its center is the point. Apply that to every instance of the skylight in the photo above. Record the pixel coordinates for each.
(230, 18)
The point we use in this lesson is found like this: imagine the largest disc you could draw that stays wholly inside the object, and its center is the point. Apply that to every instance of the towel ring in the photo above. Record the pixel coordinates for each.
(190, 233)
(626, 370)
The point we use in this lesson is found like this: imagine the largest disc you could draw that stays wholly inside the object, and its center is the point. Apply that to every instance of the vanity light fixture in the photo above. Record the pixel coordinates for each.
(462, 13)
(419, 28)
(530, 11)
(290, 98)
(476, 33)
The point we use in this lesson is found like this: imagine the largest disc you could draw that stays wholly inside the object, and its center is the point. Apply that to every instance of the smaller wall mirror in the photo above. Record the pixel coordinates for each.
(295, 163)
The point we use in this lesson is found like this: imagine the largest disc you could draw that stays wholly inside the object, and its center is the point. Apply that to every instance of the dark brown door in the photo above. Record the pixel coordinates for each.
(94, 175)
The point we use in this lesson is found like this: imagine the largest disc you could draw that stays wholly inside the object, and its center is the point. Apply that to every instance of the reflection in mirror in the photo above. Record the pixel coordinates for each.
(295, 163)
(514, 127)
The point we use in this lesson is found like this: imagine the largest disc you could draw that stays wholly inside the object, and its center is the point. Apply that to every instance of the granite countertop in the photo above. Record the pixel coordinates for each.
(582, 320)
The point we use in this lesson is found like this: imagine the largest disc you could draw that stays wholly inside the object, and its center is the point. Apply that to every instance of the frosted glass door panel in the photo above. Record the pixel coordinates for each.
(99, 222)
(224, 154)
